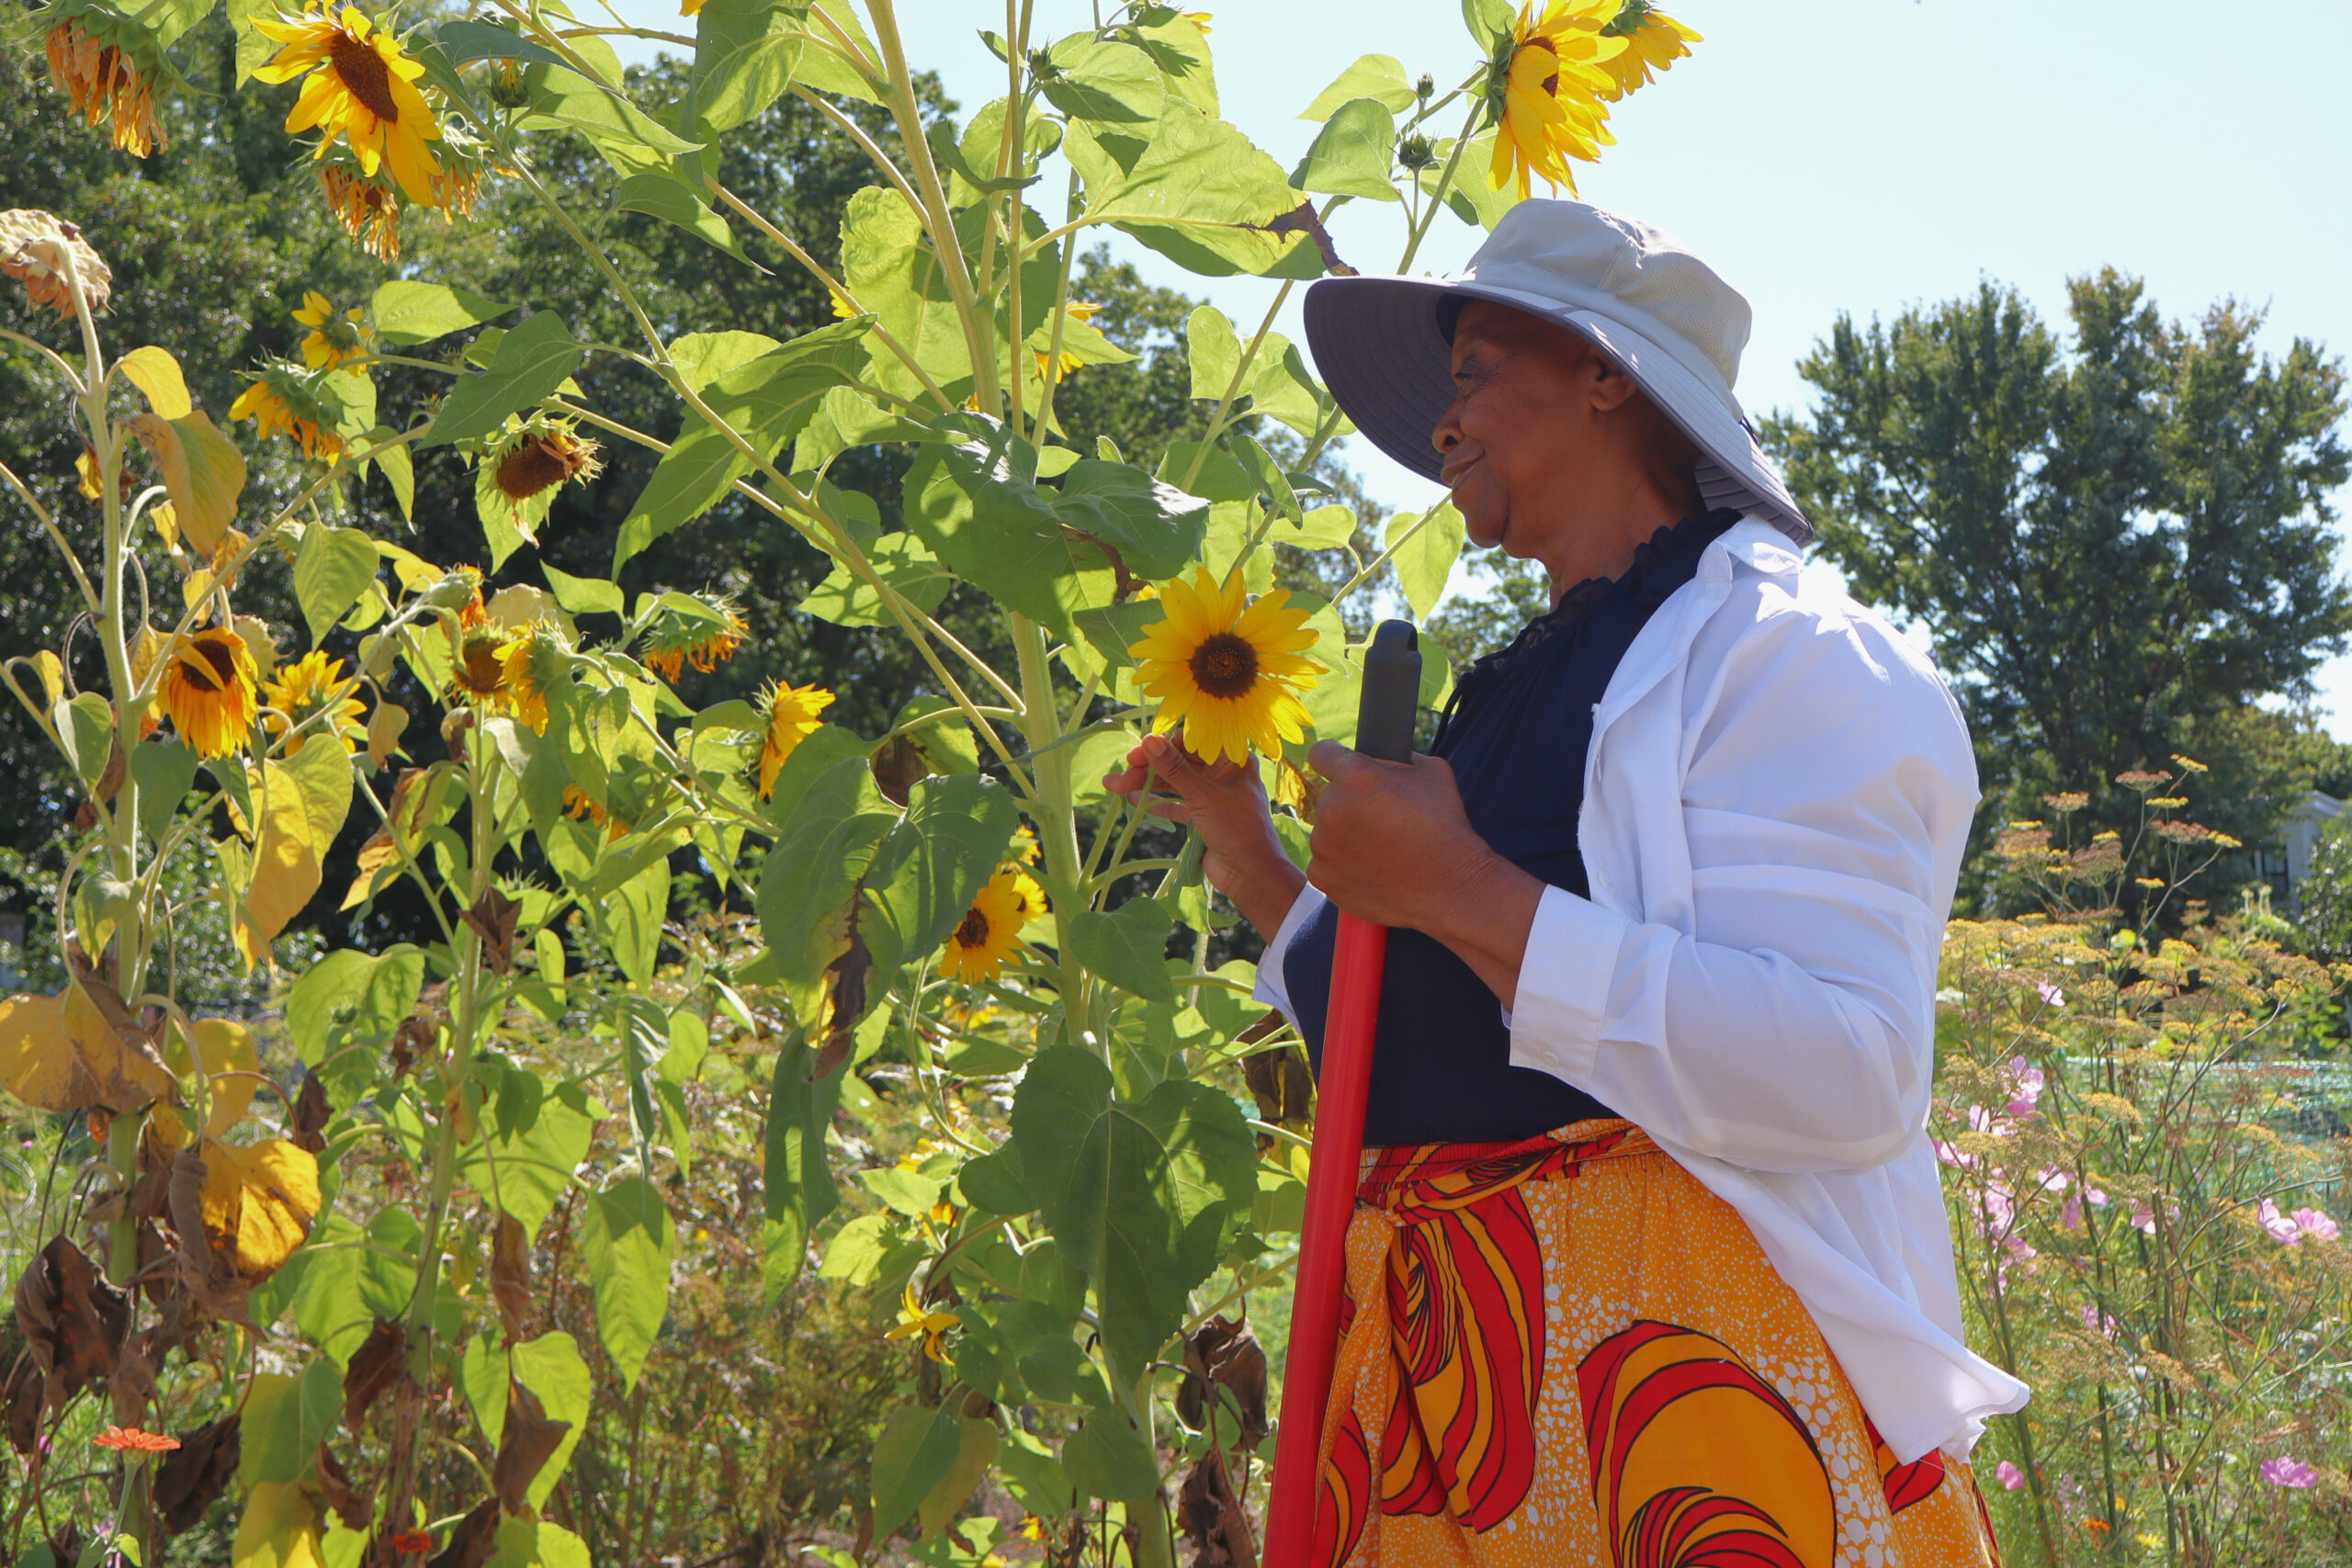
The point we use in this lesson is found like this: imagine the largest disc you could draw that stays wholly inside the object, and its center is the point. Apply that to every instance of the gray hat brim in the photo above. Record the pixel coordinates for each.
(1378, 345)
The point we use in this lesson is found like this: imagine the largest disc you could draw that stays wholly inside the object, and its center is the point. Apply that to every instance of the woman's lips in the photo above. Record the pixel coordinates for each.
(1450, 475)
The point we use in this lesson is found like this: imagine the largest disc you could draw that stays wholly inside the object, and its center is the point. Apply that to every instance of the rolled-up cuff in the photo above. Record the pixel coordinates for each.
(1564, 979)
(1271, 989)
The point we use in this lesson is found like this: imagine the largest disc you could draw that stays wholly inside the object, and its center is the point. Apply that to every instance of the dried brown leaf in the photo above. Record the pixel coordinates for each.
(352, 1506)
(510, 1274)
(1222, 1354)
(193, 1476)
(474, 1541)
(375, 1367)
(493, 919)
(73, 1319)
(529, 1441)
(1215, 1523)
(311, 1114)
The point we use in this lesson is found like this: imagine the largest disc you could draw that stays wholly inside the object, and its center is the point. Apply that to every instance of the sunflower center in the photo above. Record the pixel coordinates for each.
(529, 469)
(1225, 665)
(483, 672)
(208, 667)
(364, 74)
(974, 930)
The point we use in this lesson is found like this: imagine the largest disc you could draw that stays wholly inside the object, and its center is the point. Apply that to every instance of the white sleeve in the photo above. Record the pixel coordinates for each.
(1791, 1026)
(1272, 987)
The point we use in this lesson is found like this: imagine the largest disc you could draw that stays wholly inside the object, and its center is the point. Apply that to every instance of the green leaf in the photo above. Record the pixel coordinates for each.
(583, 595)
(1469, 197)
(163, 770)
(1489, 21)
(1425, 560)
(286, 1419)
(629, 1245)
(1351, 154)
(903, 561)
(935, 862)
(975, 1449)
(668, 197)
(890, 270)
(908, 1192)
(1113, 84)
(796, 1182)
(1380, 77)
(407, 313)
(85, 729)
(995, 1182)
(532, 361)
(465, 42)
(551, 1367)
(533, 1139)
(701, 358)
(1181, 54)
(1215, 352)
(821, 851)
(1282, 387)
(332, 569)
(976, 506)
(1200, 195)
(766, 399)
(1126, 947)
(1156, 527)
(629, 920)
(399, 468)
(916, 1450)
(1034, 1476)
(1108, 1458)
(628, 139)
(1142, 1194)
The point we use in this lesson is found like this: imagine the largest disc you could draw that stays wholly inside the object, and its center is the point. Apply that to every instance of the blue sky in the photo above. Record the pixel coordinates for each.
(1865, 156)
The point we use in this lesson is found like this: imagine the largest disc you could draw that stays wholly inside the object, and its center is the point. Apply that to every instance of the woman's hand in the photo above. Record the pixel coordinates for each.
(1224, 802)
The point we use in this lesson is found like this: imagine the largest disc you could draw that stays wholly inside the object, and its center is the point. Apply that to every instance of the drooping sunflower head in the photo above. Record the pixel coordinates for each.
(35, 250)
(989, 932)
(1227, 670)
(478, 673)
(109, 66)
(792, 717)
(542, 454)
(332, 339)
(361, 89)
(1048, 367)
(281, 401)
(369, 208)
(1547, 94)
(311, 686)
(208, 690)
(531, 659)
(704, 637)
(1654, 41)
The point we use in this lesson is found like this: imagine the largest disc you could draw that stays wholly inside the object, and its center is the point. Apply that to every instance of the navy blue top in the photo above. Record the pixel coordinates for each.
(1517, 733)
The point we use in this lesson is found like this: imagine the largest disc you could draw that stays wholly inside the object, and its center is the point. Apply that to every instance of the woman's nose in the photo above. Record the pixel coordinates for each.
(1448, 434)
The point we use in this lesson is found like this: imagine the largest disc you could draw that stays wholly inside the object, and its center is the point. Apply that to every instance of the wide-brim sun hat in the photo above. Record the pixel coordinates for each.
(1383, 344)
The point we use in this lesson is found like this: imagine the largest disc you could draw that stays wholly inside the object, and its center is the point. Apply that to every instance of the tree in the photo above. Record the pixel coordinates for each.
(2113, 541)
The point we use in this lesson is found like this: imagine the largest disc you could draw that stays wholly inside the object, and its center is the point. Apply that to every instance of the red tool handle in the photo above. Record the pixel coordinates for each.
(1383, 729)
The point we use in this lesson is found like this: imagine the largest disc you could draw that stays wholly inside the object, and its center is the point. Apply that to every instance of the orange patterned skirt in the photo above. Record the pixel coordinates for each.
(1565, 1352)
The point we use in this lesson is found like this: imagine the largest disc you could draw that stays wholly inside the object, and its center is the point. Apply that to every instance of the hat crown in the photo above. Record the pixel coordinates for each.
(1614, 265)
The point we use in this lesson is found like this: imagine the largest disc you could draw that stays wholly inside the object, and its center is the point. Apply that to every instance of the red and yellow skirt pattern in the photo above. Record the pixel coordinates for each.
(1565, 1352)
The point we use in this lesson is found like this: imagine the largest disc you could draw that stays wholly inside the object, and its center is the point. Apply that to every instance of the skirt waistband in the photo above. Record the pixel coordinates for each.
(1450, 1175)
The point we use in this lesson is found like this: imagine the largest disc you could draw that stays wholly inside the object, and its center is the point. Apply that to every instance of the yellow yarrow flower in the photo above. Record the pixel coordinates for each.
(311, 685)
(1654, 41)
(913, 1320)
(1228, 672)
(362, 88)
(332, 339)
(792, 718)
(989, 932)
(208, 690)
(1548, 106)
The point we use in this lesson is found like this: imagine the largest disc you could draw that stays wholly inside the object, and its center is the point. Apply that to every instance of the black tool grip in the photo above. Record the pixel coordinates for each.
(1392, 692)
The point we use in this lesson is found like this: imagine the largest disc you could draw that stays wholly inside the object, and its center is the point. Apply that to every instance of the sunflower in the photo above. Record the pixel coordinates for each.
(914, 1319)
(208, 689)
(580, 808)
(704, 642)
(369, 211)
(111, 75)
(279, 403)
(540, 458)
(518, 658)
(1080, 311)
(332, 340)
(1547, 96)
(1654, 41)
(33, 249)
(478, 675)
(312, 684)
(1229, 674)
(792, 717)
(990, 929)
(362, 88)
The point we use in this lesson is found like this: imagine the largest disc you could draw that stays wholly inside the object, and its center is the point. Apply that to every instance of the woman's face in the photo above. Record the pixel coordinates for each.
(1526, 423)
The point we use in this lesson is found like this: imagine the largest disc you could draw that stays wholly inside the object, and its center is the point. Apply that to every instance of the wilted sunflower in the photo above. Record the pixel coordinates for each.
(369, 211)
(208, 690)
(518, 656)
(478, 675)
(990, 930)
(792, 717)
(1082, 312)
(362, 88)
(332, 338)
(1654, 41)
(312, 684)
(914, 1319)
(108, 67)
(1547, 98)
(677, 640)
(279, 403)
(541, 458)
(1227, 672)
(33, 250)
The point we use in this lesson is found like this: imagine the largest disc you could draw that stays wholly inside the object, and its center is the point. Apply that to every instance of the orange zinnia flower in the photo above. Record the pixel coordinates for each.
(130, 1439)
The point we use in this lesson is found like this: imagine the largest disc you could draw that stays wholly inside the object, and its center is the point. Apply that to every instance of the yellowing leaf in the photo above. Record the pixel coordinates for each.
(167, 523)
(376, 856)
(72, 1051)
(231, 1063)
(384, 728)
(203, 471)
(157, 374)
(51, 671)
(280, 1530)
(302, 803)
(259, 1201)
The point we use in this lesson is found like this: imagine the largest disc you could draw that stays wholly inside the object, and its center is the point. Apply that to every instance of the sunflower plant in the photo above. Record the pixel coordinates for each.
(339, 1229)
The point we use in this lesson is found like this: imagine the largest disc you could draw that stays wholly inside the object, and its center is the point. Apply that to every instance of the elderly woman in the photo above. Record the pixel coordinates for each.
(1649, 1263)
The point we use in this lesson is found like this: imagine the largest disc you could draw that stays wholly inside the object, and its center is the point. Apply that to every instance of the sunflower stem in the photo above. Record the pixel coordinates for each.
(1057, 825)
(1444, 183)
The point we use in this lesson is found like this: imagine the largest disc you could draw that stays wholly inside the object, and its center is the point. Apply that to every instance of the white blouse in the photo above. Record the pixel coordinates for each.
(1776, 803)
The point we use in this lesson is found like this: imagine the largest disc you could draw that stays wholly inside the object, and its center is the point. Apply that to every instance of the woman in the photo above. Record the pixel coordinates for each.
(1650, 1263)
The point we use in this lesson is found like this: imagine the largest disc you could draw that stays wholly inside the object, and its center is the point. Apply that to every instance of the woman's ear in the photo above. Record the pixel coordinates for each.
(1611, 388)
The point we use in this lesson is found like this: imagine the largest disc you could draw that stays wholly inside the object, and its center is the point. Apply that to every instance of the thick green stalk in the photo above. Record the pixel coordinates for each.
(1057, 825)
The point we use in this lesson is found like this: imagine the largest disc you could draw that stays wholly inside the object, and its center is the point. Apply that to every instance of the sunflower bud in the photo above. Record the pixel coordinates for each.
(1423, 88)
(1415, 153)
(506, 86)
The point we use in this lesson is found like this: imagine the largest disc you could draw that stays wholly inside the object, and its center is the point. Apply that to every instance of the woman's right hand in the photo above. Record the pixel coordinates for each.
(1224, 802)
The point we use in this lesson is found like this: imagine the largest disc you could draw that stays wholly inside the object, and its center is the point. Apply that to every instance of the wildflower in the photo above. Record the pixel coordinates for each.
(2066, 801)
(580, 808)
(2097, 1320)
(1024, 845)
(1080, 312)
(792, 717)
(914, 1158)
(523, 670)
(2286, 1472)
(990, 929)
(1547, 97)
(2028, 1081)
(1654, 41)
(1199, 19)
(332, 339)
(2050, 993)
(842, 310)
(2315, 1225)
(34, 250)
(412, 1543)
(2189, 765)
(932, 1326)
(108, 67)
(361, 88)
(279, 402)
(1228, 674)
(678, 640)
(2008, 1475)
(130, 1439)
(208, 690)
(312, 684)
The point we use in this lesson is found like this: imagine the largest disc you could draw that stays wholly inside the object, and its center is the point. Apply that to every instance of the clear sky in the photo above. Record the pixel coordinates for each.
(1865, 156)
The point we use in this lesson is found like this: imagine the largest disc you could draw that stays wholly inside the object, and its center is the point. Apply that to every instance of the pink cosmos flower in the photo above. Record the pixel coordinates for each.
(2285, 1472)
(2029, 1082)
(2314, 1223)
(2051, 993)
(2097, 1321)
(2008, 1475)
(2281, 1228)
